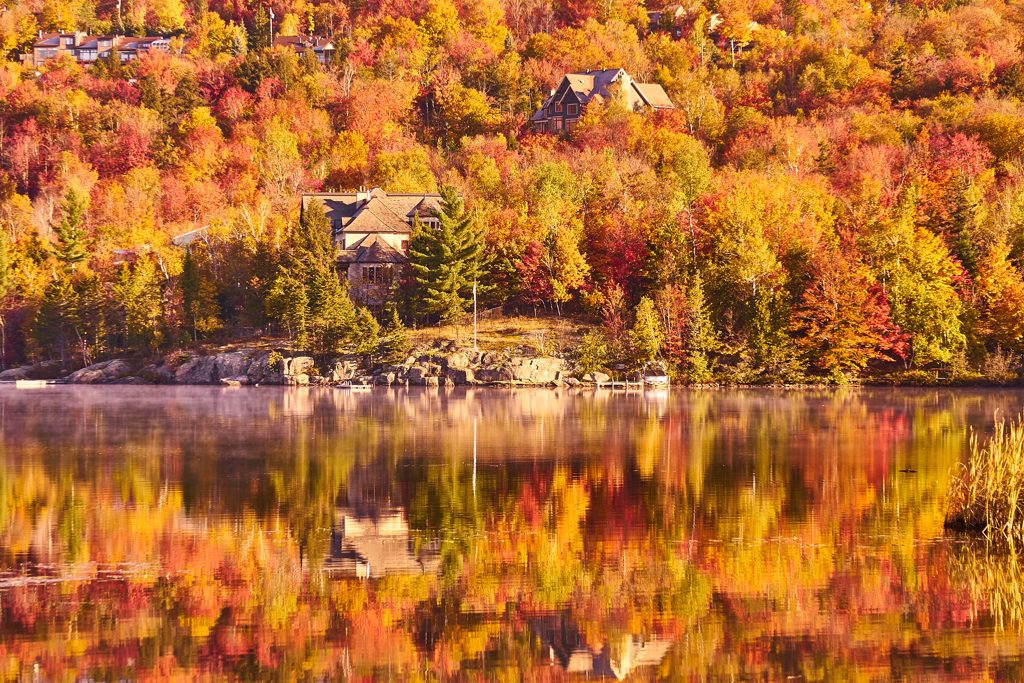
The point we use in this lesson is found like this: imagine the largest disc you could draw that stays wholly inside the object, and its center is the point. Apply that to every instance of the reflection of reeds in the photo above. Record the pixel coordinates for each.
(993, 575)
(986, 493)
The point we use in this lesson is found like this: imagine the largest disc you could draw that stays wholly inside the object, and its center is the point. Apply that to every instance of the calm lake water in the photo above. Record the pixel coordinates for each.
(151, 533)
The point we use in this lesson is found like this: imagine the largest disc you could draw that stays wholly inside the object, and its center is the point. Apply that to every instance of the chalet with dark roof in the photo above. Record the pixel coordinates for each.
(566, 104)
(371, 231)
(323, 48)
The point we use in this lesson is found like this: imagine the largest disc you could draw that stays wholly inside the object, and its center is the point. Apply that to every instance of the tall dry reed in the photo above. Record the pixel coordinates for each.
(986, 493)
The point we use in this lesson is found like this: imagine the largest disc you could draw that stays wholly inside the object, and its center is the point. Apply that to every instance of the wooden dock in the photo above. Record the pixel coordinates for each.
(624, 385)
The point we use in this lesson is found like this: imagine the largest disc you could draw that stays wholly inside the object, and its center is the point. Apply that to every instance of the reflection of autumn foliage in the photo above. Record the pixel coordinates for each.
(777, 530)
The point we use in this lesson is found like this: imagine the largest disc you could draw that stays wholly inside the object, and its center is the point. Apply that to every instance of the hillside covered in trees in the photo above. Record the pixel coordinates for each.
(838, 188)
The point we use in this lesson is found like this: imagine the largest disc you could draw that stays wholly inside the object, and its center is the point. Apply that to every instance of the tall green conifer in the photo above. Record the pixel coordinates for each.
(448, 259)
(71, 235)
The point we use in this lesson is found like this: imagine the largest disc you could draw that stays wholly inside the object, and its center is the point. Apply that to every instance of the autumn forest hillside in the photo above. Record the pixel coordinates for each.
(837, 191)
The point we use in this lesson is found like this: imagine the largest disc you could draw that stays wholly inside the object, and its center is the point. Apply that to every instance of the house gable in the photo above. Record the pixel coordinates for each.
(566, 103)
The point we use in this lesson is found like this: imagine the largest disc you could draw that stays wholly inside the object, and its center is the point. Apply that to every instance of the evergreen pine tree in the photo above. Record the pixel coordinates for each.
(447, 260)
(331, 315)
(259, 32)
(902, 72)
(239, 42)
(187, 95)
(962, 218)
(199, 301)
(92, 327)
(702, 339)
(139, 305)
(769, 346)
(54, 327)
(70, 233)
(311, 241)
(288, 303)
(368, 333)
(396, 341)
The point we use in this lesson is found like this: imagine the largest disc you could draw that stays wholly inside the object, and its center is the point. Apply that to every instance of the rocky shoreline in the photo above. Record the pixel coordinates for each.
(448, 365)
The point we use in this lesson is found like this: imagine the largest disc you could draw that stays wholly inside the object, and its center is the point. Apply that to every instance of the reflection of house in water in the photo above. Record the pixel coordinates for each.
(371, 536)
(618, 659)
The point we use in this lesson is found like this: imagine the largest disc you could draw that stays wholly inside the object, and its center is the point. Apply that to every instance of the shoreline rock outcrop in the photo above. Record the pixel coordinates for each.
(446, 365)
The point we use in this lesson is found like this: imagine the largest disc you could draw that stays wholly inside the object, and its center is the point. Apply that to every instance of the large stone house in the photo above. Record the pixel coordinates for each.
(566, 104)
(87, 49)
(371, 231)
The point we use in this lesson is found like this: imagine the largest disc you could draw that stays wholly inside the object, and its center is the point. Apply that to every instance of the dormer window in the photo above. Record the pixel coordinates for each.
(69, 41)
(104, 43)
(558, 107)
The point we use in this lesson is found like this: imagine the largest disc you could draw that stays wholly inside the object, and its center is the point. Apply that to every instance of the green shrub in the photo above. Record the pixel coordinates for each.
(275, 361)
(592, 353)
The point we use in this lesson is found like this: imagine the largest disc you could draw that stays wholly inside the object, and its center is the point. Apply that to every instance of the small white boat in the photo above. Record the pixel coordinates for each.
(654, 375)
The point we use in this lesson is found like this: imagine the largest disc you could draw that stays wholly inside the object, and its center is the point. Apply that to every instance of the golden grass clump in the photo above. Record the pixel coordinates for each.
(985, 495)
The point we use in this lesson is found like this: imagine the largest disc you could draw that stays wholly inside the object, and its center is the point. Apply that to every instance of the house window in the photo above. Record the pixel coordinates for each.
(377, 275)
(558, 106)
(571, 109)
(104, 43)
(405, 245)
(69, 41)
(570, 124)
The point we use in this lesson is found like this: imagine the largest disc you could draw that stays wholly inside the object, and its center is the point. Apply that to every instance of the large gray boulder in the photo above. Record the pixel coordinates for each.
(197, 370)
(259, 371)
(493, 375)
(457, 361)
(48, 369)
(231, 364)
(300, 365)
(461, 376)
(538, 370)
(15, 374)
(106, 372)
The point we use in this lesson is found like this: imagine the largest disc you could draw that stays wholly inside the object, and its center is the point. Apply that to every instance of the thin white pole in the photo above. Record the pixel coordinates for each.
(474, 315)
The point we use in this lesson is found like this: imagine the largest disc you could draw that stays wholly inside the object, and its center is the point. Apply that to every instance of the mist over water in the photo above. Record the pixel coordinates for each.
(150, 533)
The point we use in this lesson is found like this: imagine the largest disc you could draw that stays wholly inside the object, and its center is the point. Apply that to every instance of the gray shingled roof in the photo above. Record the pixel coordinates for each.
(380, 212)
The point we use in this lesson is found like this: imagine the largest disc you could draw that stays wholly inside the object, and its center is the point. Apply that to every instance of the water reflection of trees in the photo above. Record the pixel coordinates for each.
(764, 534)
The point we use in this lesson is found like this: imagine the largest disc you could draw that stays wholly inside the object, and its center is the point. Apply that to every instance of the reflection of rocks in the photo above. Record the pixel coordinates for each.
(568, 649)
